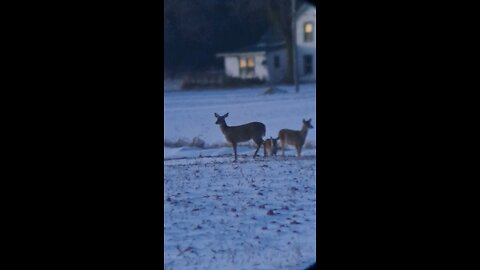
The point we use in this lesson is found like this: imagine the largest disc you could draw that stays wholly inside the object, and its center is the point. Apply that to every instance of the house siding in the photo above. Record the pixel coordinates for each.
(268, 71)
(306, 48)
(232, 66)
(261, 70)
(277, 75)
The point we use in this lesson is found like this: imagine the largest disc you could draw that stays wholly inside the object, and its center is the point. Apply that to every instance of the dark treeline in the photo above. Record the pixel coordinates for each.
(194, 30)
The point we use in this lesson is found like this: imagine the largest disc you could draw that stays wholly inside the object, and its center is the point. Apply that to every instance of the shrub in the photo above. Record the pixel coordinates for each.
(197, 142)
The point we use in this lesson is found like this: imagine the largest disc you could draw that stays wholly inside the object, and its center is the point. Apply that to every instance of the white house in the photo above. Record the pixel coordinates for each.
(267, 60)
(306, 42)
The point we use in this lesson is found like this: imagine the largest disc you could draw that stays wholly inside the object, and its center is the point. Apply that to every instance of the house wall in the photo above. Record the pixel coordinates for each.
(277, 75)
(232, 66)
(261, 68)
(303, 48)
(264, 62)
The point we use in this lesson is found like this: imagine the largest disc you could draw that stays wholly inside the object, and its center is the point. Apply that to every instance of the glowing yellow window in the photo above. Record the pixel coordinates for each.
(308, 32)
(308, 28)
(243, 63)
(247, 65)
(251, 63)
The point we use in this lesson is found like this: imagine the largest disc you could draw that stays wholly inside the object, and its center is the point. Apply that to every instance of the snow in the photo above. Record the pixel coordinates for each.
(172, 85)
(190, 114)
(253, 214)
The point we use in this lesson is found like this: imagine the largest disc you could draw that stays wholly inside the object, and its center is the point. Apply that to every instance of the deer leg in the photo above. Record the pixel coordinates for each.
(235, 151)
(264, 150)
(254, 155)
(259, 143)
(283, 149)
(256, 151)
(299, 150)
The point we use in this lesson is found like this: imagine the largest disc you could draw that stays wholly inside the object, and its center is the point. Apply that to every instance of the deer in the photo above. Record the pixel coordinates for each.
(294, 137)
(270, 147)
(242, 133)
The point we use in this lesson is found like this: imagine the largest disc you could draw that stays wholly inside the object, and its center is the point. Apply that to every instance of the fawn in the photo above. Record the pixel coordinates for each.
(270, 147)
(243, 133)
(294, 137)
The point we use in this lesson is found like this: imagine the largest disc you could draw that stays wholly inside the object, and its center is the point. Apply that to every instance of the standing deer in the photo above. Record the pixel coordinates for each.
(294, 137)
(270, 147)
(243, 133)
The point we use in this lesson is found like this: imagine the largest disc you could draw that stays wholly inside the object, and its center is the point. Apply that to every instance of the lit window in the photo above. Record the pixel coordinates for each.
(251, 63)
(308, 27)
(243, 63)
(308, 32)
(247, 65)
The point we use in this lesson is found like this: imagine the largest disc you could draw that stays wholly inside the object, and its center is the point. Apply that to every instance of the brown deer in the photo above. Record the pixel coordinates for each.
(294, 137)
(243, 133)
(270, 147)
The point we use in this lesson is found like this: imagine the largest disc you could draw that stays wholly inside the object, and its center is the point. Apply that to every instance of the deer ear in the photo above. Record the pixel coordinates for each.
(309, 120)
(216, 115)
(226, 115)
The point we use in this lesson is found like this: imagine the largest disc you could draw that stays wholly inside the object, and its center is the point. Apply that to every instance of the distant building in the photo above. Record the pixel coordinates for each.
(267, 60)
(306, 43)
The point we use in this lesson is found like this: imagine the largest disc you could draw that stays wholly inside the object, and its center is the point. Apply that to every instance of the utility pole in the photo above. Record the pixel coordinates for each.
(294, 46)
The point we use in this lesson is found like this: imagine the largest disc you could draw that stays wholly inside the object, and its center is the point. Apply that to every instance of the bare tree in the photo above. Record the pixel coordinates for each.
(194, 30)
(280, 16)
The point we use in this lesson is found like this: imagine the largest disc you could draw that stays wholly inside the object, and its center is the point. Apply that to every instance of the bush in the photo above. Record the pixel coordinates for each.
(217, 81)
(309, 145)
(178, 143)
(238, 82)
(197, 142)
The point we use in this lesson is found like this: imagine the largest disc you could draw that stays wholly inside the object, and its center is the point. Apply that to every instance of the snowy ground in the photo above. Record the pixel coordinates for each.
(254, 214)
(190, 114)
(172, 85)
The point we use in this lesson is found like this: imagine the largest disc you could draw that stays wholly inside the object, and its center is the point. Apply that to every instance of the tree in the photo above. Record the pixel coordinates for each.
(195, 30)
(280, 16)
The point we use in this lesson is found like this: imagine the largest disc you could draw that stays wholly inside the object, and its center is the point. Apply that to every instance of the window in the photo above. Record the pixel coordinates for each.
(250, 64)
(247, 65)
(276, 61)
(308, 32)
(308, 64)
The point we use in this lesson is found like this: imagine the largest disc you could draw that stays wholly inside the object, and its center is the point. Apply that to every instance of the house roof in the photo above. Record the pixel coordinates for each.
(257, 48)
(304, 7)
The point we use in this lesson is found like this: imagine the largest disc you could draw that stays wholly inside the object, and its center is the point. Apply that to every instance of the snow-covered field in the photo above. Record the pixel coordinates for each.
(190, 114)
(254, 214)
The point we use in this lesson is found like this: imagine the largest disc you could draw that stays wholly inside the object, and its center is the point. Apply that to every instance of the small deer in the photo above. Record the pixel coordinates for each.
(270, 147)
(243, 133)
(294, 137)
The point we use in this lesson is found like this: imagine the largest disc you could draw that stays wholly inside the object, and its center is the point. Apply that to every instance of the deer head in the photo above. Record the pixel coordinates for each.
(220, 119)
(307, 123)
(275, 143)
